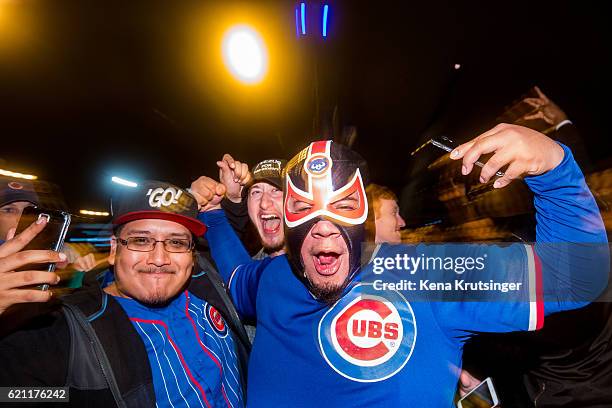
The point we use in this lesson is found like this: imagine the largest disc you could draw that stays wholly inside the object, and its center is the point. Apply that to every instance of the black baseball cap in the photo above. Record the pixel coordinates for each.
(270, 171)
(157, 200)
(12, 190)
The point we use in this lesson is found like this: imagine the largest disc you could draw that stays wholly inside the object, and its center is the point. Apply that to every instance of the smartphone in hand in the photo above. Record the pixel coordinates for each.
(50, 238)
(446, 144)
(482, 396)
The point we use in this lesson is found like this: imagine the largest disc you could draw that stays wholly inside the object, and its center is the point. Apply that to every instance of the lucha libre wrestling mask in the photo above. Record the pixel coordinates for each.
(319, 176)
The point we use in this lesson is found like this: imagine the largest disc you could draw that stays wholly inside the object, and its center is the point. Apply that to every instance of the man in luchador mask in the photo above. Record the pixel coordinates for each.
(328, 336)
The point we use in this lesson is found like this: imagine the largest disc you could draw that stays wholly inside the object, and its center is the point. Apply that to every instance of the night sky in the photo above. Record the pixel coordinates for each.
(90, 89)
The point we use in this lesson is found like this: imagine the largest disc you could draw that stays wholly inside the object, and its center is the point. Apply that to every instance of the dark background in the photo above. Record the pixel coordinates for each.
(90, 89)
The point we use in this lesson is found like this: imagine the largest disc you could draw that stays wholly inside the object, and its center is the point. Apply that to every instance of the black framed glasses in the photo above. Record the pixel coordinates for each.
(147, 244)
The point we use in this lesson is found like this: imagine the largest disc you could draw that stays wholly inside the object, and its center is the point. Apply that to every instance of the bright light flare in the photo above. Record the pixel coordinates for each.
(97, 213)
(123, 182)
(245, 54)
(9, 173)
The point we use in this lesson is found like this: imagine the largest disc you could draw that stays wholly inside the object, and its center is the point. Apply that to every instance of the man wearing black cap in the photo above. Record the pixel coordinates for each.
(157, 331)
(14, 197)
(264, 200)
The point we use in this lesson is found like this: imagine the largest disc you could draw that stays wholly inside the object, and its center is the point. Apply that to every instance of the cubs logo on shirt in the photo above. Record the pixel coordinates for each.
(216, 320)
(368, 335)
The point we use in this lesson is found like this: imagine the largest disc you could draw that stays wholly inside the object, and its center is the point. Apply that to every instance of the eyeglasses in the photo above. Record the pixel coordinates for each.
(147, 244)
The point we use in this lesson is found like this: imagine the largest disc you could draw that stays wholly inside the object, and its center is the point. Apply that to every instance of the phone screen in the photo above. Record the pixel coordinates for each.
(482, 396)
(51, 237)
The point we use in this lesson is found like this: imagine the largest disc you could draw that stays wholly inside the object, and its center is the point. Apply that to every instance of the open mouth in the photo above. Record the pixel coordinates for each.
(270, 223)
(326, 263)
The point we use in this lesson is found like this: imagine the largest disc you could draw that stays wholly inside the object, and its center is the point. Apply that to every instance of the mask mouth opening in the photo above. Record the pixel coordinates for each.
(327, 263)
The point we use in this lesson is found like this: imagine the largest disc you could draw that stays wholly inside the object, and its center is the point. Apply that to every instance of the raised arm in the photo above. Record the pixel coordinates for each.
(238, 270)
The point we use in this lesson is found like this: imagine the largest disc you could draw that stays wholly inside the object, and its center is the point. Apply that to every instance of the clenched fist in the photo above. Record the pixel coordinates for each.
(208, 193)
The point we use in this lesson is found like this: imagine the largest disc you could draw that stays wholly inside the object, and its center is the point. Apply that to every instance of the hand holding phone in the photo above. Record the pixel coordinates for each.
(522, 151)
(447, 145)
(17, 286)
(50, 238)
(481, 396)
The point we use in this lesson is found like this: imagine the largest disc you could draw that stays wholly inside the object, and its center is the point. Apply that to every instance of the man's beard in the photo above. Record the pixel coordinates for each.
(274, 247)
(328, 292)
(160, 298)
(156, 300)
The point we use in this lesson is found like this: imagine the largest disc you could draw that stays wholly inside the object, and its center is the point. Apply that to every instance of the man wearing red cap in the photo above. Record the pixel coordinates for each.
(158, 333)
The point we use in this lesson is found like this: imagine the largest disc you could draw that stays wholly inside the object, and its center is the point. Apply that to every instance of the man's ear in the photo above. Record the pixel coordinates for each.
(194, 261)
(113, 250)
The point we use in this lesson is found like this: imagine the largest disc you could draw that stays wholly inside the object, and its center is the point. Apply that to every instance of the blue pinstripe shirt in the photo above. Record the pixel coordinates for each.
(191, 353)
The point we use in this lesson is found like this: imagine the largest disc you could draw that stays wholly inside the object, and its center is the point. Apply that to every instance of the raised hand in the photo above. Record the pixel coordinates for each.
(525, 152)
(208, 193)
(234, 175)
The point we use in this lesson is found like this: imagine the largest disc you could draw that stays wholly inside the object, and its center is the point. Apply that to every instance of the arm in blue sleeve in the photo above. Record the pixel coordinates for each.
(238, 270)
(571, 238)
(565, 208)
(225, 246)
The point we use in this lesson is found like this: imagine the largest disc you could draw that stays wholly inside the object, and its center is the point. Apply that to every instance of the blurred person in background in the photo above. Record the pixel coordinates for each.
(15, 196)
(384, 222)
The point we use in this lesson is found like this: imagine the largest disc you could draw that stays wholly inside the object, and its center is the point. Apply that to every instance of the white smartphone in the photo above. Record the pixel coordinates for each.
(482, 396)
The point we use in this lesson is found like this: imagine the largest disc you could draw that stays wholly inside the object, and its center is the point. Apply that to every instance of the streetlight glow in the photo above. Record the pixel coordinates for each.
(245, 54)
(123, 182)
(9, 173)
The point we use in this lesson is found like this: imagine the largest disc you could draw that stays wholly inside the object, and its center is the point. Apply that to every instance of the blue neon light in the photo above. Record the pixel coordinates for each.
(97, 239)
(297, 23)
(303, 10)
(325, 10)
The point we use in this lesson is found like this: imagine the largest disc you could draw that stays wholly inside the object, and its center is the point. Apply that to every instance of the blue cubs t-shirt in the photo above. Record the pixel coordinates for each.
(389, 348)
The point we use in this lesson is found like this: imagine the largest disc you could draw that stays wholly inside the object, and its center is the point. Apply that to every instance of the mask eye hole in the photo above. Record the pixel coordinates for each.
(348, 203)
(297, 206)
